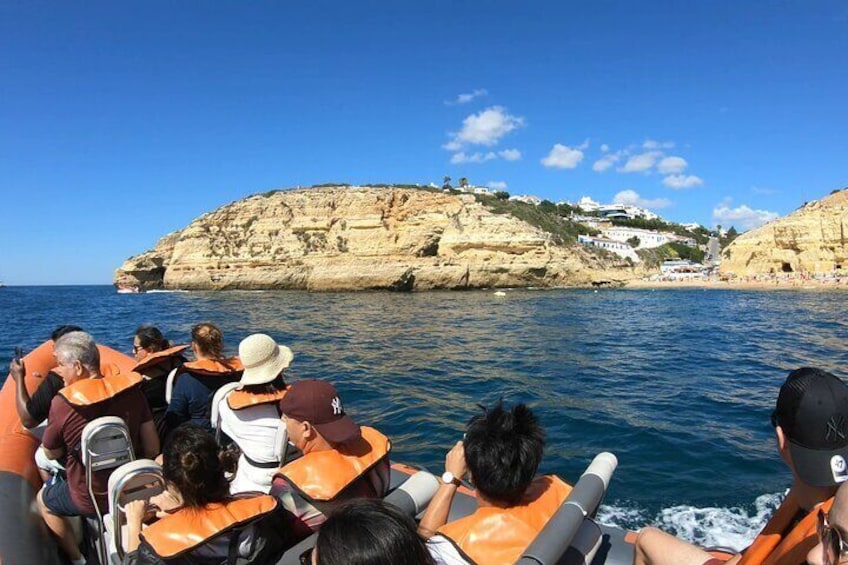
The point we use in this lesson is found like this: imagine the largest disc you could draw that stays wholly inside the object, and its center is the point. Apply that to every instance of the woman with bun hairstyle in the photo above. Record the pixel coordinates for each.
(207, 524)
(369, 532)
(197, 381)
(155, 359)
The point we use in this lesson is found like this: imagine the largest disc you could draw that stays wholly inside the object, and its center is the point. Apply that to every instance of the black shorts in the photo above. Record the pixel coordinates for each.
(56, 496)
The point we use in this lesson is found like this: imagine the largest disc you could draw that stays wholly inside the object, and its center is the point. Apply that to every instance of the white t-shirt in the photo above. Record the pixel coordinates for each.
(254, 430)
(444, 552)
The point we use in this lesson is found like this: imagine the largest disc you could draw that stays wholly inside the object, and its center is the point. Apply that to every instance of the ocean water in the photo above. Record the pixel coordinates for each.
(678, 384)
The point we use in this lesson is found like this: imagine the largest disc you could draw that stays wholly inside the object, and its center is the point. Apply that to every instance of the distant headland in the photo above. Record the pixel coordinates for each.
(408, 238)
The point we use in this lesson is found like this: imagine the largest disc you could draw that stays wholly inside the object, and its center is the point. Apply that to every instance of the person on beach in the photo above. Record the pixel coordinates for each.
(811, 427)
(341, 460)
(368, 532)
(87, 395)
(250, 415)
(156, 358)
(204, 524)
(33, 410)
(501, 451)
(197, 381)
(832, 530)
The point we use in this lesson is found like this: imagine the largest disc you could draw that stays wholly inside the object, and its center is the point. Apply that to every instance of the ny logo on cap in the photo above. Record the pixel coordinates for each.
(835, 428)
(337, 406)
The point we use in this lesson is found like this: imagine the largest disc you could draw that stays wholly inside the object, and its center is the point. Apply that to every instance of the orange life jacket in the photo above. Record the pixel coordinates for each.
(777, 546)
(213, 367)
(189, 528)
(88, 392)
(323, 475)
(500, 535)
(240, 399)
(158, 358)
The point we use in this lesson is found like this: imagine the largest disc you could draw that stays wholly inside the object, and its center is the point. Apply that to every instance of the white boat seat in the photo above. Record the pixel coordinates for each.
(138, 480)
(105, 444)
(215, 415)
(169, 384)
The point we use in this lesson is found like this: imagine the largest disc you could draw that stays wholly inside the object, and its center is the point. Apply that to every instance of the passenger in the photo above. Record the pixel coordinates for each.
(209, 526)
(251, 414)
(87, 395)
(340, 460)
(156, 358)
(811, 426)
(369, 532)
(832, 530)
(502, 451)
(33, 410)
(197, 381)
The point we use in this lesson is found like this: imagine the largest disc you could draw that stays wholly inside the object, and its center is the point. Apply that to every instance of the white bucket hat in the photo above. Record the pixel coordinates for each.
(262, 359)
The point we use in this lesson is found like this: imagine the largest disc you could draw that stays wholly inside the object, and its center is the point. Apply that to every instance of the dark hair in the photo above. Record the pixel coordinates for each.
(151, 339)
(370, 532)
(279, 383)
(62, 330)
(190, 463)
(208, 339)
(503, 450)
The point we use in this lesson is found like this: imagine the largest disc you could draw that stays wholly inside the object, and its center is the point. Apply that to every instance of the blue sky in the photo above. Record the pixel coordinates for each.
(122, 121)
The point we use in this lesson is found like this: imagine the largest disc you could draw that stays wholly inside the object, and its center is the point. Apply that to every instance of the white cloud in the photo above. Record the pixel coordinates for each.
(672, 165)
(484, 128)
(496, 185)
(606, 161)
(764, 190)
(641, 163)
(477, 157)
(604, 148)
(652, 144)
(678, 182)
(742, 216)
(564, 157)
(510, 154)
(467, 97)
(632, 198)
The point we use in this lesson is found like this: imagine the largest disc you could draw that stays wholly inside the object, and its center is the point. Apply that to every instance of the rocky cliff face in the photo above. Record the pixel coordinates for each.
(811, 239)
(354, 238)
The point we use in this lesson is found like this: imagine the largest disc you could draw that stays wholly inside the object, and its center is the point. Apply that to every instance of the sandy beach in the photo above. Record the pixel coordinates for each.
(774, 283)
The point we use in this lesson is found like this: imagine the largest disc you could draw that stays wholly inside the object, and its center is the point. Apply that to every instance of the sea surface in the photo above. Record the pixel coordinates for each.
(678, 384)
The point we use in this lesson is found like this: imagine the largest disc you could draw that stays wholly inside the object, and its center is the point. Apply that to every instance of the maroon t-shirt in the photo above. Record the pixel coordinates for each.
(64, 429)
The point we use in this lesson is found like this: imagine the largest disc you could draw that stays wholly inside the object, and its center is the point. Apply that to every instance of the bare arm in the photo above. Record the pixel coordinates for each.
(149, 440)
(135, 516)
(17, 372)
(54, 454)
(437, 511)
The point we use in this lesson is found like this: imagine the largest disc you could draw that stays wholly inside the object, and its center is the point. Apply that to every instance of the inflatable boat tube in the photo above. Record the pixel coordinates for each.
(23, 535)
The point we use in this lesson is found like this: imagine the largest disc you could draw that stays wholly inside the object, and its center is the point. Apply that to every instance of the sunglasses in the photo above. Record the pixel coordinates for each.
(306, 556)
(137, 348)
(833, 545)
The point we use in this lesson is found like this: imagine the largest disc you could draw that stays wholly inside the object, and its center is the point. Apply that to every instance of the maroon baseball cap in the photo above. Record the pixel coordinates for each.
(318, 403)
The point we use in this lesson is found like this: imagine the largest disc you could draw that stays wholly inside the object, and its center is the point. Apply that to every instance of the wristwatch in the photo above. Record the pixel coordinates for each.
(449, 479)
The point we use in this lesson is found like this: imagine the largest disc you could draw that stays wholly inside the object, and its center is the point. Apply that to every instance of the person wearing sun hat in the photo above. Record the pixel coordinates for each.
(810, 423)
(341, 460)
(250, 414)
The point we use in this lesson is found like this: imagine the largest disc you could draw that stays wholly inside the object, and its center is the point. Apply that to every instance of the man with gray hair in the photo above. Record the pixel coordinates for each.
(87, 395)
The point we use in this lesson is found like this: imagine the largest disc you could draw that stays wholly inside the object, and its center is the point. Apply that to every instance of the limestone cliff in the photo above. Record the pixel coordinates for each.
(811, 239)
(354, 238)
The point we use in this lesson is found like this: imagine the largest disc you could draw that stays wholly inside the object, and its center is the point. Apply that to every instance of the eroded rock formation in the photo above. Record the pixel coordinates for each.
(812, 239)
(355, 238)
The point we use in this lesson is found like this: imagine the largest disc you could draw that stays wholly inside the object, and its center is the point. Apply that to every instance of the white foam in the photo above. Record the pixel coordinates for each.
(710, 527)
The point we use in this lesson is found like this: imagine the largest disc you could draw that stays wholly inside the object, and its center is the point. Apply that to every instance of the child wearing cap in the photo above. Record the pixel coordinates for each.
(811, 427)
(341, 460)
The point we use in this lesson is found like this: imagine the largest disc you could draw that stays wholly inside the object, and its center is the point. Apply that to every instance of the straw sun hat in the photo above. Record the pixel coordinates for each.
(262, 359)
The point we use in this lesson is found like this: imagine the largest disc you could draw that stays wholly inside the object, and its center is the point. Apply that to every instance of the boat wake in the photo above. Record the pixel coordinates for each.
(711, 527)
